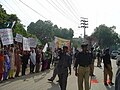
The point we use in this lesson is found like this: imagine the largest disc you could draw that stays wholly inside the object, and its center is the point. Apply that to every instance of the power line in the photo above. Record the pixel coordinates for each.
(72, 7)
(32, 9)
(10, 6)
(68, 13)
(5, 6)
(59, 10)
(69, 9)
(20, 10)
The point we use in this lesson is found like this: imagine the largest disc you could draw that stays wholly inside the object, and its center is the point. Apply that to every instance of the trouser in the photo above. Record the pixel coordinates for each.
(83, 75)
(92, 69)
(99, 61)
(63, 80)
(11, 73)
(117, 80)
(37, 67)
(1, 74)
(5, 75)
(55, 72)
(24, 66)
(32, 66)
(17, 71)
(49, 62)
(108, 72)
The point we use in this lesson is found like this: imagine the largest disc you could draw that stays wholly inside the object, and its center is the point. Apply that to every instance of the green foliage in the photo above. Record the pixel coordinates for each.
(6, 21)
(45, 31)
(106, 36)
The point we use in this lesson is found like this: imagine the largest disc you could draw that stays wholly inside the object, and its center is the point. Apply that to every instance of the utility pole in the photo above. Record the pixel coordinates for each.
(84, 25)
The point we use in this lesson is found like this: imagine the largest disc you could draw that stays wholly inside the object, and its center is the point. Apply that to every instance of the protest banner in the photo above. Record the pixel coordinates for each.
(45, 47)
(32, 42)
(6, 36)
(19, 38)
(60, 42)
(26, 46)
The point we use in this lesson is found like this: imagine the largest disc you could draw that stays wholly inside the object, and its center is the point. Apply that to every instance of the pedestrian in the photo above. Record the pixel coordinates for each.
(38, 59)
(56, 61)
(118, 60)
(48, 57)
(6, 65)
(63, 65)
(12, 63)
(24, 58)
(82, 72)
(99, 58)
(1, 64)
(17, 62)
(107, 68)
(117, 79)
(93, 56)
(32, 60)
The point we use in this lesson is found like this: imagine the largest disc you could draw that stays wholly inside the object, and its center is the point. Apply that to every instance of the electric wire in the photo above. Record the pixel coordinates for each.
(32, 9)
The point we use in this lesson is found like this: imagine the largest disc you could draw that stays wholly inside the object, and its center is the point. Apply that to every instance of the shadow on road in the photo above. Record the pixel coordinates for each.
(54, 86)
(26, 78)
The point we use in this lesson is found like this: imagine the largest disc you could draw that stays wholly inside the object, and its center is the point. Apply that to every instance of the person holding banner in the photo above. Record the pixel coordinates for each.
(24, 59)
(17, 62)
(32, 60)
(38, 59)
(6, 65)
(1, 64)
(12, 63)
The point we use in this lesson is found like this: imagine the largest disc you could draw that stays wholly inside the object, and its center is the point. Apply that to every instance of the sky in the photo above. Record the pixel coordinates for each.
(67, 13)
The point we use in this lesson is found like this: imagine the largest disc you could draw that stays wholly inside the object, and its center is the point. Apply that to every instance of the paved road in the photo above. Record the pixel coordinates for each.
(39, 82)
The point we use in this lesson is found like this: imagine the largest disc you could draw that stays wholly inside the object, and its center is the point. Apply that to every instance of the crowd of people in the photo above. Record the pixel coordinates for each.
(14, 61)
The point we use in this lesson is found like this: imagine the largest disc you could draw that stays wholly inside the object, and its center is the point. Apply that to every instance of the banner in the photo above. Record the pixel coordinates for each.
(18, 38)
(60, 42)
(32, 42)
(26, 46)
(45, 47)
(6, 36)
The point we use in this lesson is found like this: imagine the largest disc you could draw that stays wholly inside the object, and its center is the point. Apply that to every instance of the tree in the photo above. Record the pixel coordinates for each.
(6, 21)
(106, 36)
(45, 31)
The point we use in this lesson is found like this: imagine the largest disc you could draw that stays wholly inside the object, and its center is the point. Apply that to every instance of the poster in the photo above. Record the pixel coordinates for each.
(60, 42)
(6, 36)
(32, 42)
(18, 38)
(26, 46)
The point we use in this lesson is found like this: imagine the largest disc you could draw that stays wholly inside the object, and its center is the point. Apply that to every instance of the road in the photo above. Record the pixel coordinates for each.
(39, 81)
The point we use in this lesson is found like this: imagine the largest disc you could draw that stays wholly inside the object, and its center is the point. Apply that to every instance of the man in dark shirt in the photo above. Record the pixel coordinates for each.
(84, 61)
(107, 68)
(63, 65)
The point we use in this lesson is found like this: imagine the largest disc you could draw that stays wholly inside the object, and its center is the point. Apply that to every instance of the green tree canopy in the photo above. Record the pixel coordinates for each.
(45, 31)
(106, 36)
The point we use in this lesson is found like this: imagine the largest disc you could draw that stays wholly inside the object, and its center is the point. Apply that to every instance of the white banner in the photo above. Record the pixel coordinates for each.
(18, 38)
(26, 46)
(32, 42)
(6, 36)
(45, 47)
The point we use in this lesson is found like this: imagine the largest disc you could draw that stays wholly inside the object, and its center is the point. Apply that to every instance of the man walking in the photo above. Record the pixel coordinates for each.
(63, 65)
(55, 71)
(84, 61)
(107, 68)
